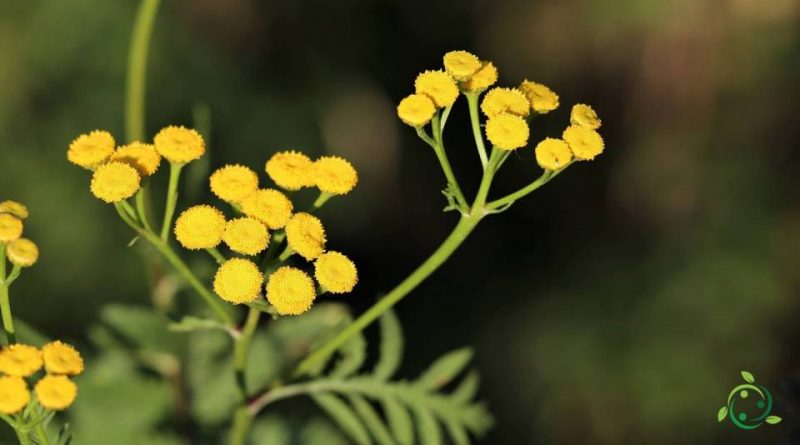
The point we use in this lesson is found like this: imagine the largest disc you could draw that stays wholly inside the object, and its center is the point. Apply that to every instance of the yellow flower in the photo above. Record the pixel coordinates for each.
(269, 206)
(91, 150)
(246, 236)
(334, 175)
(543, 100)
(56, 392)
(553, 154)
(238, 281)
(115, 181)
(305, 235)
(439, 86)
(485, 77)
(461, 64)
(585, 144)
(335, 272)
(14, 208)
(22, 252)
(14, 394)
(416, 110)
(179, 144)
(143, 157)
(10, 227)
(584, 116)
(507, 131)
(61, 358)
(291, 170)
(291, 291)
(20, 360)
(232, 183)
(200, 227)
(505, 100)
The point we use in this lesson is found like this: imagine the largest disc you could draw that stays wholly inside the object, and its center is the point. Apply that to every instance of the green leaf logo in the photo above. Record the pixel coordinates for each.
(748, 377)
(722, 413)
(772, 420)
(744, 395)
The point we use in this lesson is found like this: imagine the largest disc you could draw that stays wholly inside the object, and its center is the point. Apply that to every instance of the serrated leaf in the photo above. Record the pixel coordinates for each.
(722, 413)
(391, 349)
(772, 420)
(444, 369)
(344, 417)
(457, 432)
(427, 426)
(399, 420)
(352, 356)
(467, 389)
(372, 420)
(748, 377)
(190, 323)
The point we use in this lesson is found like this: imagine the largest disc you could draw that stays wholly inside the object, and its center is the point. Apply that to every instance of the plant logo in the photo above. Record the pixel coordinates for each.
(737, 398)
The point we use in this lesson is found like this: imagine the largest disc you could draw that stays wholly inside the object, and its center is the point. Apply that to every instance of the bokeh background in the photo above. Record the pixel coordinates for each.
(617, 305)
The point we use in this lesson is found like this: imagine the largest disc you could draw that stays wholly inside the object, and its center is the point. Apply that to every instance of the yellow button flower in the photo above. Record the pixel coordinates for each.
(61, 359)
(334, 175)
(439, 86)
(179, 144)
(507, 131)
(20, 360)
(291, 170)
(335, 272)
(485, 77)
(584, 116)
(269, 206)
(14, 208)
(505, 100)
(461, 64)
(115, 181)
(14, 394)
(305, 235)
(10, 227)
(416, 110)
(22, 252)
(543, 100)
(553, 154)
(238, 281)
(232, 183)
(585, 144)
(291, 291)
(56, 392)
(246, 236)
(143, 157)
(200, 227)
(91, 150)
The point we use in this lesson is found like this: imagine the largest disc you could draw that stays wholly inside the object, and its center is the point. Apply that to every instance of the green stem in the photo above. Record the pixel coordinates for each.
(42, 434)
(22, 437)
(242, 349)
(448, 170)
(218, 257)
(321, 200)
(137, 69)
(141, 207)
(510, 198)
(241, 426)
(474, 118)
(172, 199)
(5, 300)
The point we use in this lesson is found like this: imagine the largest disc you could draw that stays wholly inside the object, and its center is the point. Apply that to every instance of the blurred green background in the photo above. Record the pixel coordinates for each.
(615, 306)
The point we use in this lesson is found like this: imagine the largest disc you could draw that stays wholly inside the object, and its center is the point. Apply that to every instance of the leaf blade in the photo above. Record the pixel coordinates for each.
(444, 369)
(344, 417)
(372, 420)
(399, 420)
(391, 348)
(722, 413)
(748, 377)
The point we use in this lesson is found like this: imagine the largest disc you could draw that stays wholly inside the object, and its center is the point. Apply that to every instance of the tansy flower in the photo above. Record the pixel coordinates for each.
(10, 227)
(584, 116)
(334, 175)
(291, 170)
(115, 181)
(200, 227)
(56, 392)
(305, 235)
(22, 252)
(20, 360)
(585, 144)
(543, 100)
(485, 77)
(335, 272)
(179, 144)
(14, 394)
(553, 154)
(232, 183)
(505, 100)
(439, 86)
(246, 236)
(269, 206)
(461, 64)
(91, 150)
(416, 110)
(61, 359)
(14, 208)
(291, 291)
(143, 157)
(238, 281)
(507, 131)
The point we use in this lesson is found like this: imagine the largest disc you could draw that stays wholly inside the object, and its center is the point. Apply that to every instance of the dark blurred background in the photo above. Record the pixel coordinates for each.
(616, 305)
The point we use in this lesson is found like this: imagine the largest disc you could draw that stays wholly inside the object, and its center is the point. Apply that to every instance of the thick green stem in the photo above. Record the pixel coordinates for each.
(137, 69)
(5, 299)
(22, 437)
(241, 426)
(172, 199)
(474, 118)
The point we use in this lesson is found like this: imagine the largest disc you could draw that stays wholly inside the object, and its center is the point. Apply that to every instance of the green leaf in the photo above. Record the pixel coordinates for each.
(748, 377)
(399, 420)
(343, 416)
(457, 432)
(391, 349)
(427, 426)
(190, 323)
(64, 435)
(372, 420)
(139, 326)
(722, 413)
(772, 420)
(443, 370)
(353, 353)
(467, 389)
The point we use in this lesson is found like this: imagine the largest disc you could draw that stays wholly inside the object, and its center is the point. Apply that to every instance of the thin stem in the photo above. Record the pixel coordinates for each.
(510, 198)
(287, 252)
(424, 136)
(42, 434)
(321, 200)
(445, 115)
(5, 300)
(242, 349)
(137, 69)
(172, 199)
(141, 207)
(474, 118)
(218, 257)
(446, 168)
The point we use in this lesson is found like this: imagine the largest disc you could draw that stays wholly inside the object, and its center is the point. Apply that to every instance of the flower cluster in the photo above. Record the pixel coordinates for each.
(21, 252)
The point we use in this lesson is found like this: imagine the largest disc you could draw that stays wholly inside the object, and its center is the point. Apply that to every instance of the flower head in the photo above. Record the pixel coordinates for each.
(238, 281)
(505, 100)
(584, 116)
(334, 175)
(22, 252)
(335, 272)
(180, 144)
(232, 183)
(585, 144)
(91, 150)
(305, 235)
(56, 392)
(461, 64)
(485, 77)
(507, 131)
(14, 208)
(10, 227)
(416, 110)
(115, 181)
(439, 86)
(291, 291)
(143, 157)
(246, 235)
(200, 227)
(269, 206)
(291, 170)
(61, 359)
(553, 154)
(14, 394)
(543, 100)
(20, 360)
